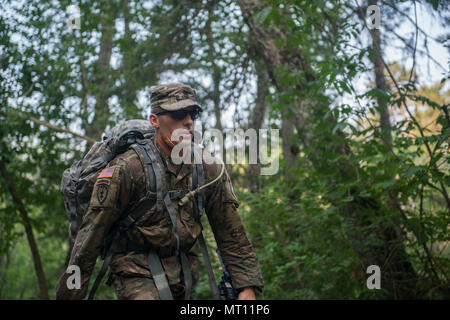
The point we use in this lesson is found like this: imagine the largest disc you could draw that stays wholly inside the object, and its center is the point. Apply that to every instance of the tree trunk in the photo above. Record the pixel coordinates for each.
(129, 89)
(102, 73)
(4, 265)
(290, 150)
(380, 81)
(398, 275)
(257, 119)
(216, 71)
(29, 232)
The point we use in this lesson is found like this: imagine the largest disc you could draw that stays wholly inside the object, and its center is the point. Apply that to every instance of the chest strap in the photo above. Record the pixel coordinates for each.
(152, 164)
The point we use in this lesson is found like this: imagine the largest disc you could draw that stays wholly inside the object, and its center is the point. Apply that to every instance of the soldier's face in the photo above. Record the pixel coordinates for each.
(165, 126)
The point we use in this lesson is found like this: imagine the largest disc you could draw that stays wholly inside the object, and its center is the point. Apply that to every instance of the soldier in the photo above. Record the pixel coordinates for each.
(121, 187)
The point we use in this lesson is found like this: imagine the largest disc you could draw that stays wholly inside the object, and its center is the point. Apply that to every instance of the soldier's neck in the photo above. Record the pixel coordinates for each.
(163, 145)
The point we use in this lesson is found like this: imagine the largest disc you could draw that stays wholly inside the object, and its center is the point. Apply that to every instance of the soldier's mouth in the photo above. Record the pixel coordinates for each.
(187, 134)
(183, 135)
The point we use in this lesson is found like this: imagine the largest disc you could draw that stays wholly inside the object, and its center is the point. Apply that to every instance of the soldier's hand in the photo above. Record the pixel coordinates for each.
(247, 294)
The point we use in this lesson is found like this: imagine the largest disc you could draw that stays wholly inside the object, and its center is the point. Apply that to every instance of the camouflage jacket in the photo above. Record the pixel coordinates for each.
(118, 193)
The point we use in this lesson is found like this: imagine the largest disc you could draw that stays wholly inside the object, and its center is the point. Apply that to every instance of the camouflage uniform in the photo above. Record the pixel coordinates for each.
(117, 194)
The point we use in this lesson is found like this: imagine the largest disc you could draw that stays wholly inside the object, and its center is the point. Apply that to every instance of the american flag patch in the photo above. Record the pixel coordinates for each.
(107, 173)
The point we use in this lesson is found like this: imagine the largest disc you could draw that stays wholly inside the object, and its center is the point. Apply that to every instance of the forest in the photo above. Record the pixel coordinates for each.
(357, 91)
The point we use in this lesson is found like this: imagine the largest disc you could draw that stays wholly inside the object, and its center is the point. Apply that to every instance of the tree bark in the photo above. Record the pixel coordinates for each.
(50, 126)
(262, 91)
(128, 87)
(380, 81)
(257, 119)
(290, 150)
(398, 275)
(4, 265)
(102, 73)
(216, 71)
(28, 230)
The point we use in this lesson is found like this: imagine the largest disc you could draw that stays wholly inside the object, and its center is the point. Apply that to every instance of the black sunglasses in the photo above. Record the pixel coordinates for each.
(181, 114)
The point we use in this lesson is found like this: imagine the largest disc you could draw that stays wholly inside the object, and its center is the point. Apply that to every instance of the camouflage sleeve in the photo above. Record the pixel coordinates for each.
(236, 250)
(110, 194)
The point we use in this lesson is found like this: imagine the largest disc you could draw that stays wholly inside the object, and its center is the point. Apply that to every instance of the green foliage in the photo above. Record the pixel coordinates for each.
(303, 244)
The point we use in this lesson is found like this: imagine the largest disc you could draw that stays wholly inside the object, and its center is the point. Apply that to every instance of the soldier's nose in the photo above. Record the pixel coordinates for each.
(187, 121)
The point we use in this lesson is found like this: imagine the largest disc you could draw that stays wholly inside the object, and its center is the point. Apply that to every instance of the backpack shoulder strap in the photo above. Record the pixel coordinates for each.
(153, 186)
(198, 179)
(155, 179)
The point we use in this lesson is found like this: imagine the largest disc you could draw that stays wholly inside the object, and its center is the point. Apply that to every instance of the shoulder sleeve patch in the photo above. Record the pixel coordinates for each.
(107, 173)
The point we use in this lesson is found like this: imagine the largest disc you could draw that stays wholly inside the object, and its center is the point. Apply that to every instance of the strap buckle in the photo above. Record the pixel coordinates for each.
(177, 194)
(126, 223)
(141, 141)
(150, 195)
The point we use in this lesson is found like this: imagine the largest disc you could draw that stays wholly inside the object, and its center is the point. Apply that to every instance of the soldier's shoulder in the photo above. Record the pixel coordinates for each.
(212, 171)
(129, 161)
(211, 167)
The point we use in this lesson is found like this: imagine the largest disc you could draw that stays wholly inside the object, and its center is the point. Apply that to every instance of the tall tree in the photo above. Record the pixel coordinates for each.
(28, 230)
(380, 81)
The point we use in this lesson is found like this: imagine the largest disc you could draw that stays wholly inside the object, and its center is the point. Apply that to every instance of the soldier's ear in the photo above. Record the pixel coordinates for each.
(154, 120)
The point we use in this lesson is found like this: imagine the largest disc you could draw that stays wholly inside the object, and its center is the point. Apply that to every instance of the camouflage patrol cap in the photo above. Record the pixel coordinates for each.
(173, 96)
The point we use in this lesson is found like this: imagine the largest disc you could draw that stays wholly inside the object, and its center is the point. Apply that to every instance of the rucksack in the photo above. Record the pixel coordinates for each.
(78, 182)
